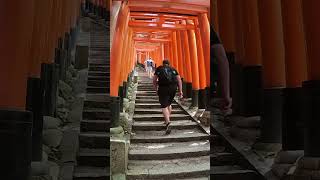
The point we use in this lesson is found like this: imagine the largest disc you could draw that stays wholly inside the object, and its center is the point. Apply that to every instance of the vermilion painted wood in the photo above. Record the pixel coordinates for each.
(205, 35)
(201, 63)
(252, 34)
(294, 40)
(16, 18)
(273, 57)
(194, 59)
(239, 23)
(174, 61)
(226, 24)
(312, 31)
(185, 40)
(180, 55)
(117, 46)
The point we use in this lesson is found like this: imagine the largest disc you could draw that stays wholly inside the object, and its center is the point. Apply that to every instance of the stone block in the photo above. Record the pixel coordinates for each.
(131, 107)
(125, 104)
(249, 122)
(244, 134)
(124, 121)
(205, 118)
(61, 102)
(65, 90)
(281, 170)
(288, 157)
(119, 155)
(51, 122)
(309, 163)
(54, 170)
(52, 137)
(119, 177)
(39, 168)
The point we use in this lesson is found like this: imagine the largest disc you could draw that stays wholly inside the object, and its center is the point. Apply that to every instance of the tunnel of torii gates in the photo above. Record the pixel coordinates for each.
(175, 30)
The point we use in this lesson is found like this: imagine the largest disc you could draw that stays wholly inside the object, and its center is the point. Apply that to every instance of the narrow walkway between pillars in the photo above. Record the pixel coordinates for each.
(94, 157)
(182, 154)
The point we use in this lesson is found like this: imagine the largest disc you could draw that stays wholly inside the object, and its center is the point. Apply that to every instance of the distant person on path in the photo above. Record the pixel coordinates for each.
(166, 80)
(149, 64)
(223, 69)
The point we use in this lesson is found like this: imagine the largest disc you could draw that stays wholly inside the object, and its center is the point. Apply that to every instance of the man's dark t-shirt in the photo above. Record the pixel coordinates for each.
(167, 89)
(160, 73)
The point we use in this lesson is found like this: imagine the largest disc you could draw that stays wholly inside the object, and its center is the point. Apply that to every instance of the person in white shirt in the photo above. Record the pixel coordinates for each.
(149, 65)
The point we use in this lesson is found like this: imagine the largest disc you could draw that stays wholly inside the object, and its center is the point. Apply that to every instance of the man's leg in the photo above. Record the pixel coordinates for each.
(166, 114)
(169, 109)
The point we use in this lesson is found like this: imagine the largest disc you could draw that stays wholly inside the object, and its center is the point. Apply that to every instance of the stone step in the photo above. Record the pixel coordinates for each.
(99, 68)
(100, 37)
(103, 53)
(168, 169)
(146, 92)
(95, 83)
(159, 117)
(232, 173)
(159, 126)
(153, 106)
(100, 56)
(96, 113)
(94, 140)
(148, 87)
(95, 63)
(99, 40)
(162, 151)
(198, 178)
(224, 158)
(147, 101)
(98, 97)
(102, 46)
(98, 62)
(92, 89)
(99, 49)
(95, 125)
(91, 173)
(147, 97)
(98, 73)
(141, 83)
(98, 78)
(157, 111)
(174, 136)
(93, 157)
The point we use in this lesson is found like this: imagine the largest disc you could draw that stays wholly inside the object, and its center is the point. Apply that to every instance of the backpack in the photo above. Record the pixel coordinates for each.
(149, 63)
(167, 76)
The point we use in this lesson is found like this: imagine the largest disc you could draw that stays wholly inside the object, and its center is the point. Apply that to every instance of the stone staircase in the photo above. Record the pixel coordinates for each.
(93, 160)
(183, 154)
(226, 163)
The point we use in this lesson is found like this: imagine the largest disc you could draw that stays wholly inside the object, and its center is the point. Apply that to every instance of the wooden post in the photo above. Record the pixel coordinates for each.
(296, 73)
(273, 60)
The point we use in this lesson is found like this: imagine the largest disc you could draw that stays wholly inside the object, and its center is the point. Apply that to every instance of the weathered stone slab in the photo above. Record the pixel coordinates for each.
(119, 155)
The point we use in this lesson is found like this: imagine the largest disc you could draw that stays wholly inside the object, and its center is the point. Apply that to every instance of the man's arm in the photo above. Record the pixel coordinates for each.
(155, 82)
(223, 64)
(179, 85)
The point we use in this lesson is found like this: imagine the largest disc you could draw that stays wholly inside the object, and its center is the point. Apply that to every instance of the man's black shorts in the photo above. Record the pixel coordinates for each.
(166, 94)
